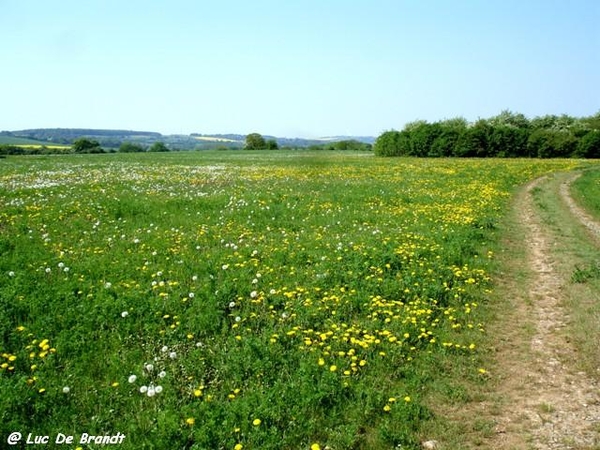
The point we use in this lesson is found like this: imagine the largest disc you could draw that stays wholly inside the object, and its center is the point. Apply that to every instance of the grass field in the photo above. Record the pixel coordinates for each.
(11, 140)
(245, 299)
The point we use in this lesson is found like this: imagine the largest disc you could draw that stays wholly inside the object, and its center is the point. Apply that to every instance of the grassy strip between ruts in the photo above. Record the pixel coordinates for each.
(245, 300)
(586, 190)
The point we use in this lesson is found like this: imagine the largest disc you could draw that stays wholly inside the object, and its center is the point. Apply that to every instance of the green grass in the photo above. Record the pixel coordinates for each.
(12, 140)
(586, 191)
(283, 299)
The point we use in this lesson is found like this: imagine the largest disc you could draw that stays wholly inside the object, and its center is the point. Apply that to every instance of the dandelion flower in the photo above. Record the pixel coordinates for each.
(332, 368)
(387, 408)
(190, 421)
(315, 447)
(256, 422)
(407, 399)
(238, 447)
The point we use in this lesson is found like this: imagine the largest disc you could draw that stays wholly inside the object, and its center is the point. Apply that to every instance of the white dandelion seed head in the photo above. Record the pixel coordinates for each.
(199, 344)
(124, 314)
(158, 389)
(255, 281)
(231, 305)
(132, 378)
(48, 270)
(107, 285)
(225, 266)
(66, 269)
(164, 349)
(61, 265)
(191, 295)
(11, 274)
(272, 292)
(66, 390)
(162, 374)
(149, 367)
(172, 355)
(253, 294)
(151, 392)
(195, 278)
(144, 389)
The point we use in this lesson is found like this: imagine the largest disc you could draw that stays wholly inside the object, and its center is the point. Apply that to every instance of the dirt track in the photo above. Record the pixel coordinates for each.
(546, 403)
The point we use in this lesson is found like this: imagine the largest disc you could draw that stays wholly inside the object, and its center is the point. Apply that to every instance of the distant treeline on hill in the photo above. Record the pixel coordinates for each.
(505, 135)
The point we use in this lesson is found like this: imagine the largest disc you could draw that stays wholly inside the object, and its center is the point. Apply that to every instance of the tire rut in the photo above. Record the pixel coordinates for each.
(547, 404)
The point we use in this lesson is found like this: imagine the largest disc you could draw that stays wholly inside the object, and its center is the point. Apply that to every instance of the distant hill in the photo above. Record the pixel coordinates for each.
(194, 141)
(13, 140)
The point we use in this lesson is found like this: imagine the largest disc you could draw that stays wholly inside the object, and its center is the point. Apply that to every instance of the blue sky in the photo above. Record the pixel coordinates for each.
(292, 68)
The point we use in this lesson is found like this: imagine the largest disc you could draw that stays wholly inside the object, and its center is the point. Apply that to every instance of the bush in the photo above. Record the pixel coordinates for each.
(589, 145)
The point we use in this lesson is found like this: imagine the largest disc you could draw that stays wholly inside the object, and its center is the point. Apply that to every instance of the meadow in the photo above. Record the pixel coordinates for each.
(245, 300)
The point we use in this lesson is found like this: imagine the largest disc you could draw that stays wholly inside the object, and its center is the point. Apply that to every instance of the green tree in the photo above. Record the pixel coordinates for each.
(549, 143)
(129, 147)
(255, 141)
(271, 144)
(85, 145)
(158, 147)
(510, 119)
(392, 143)
(589, 145)
(447, 137)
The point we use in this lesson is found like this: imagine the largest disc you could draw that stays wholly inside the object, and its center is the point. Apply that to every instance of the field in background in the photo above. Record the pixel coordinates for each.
(258, 300)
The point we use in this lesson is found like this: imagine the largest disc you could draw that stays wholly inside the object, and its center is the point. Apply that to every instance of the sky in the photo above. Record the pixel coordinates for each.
(303, 68)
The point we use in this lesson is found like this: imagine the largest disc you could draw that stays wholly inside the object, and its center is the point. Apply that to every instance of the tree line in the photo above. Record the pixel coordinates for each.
(81, 145)
(505, 135)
